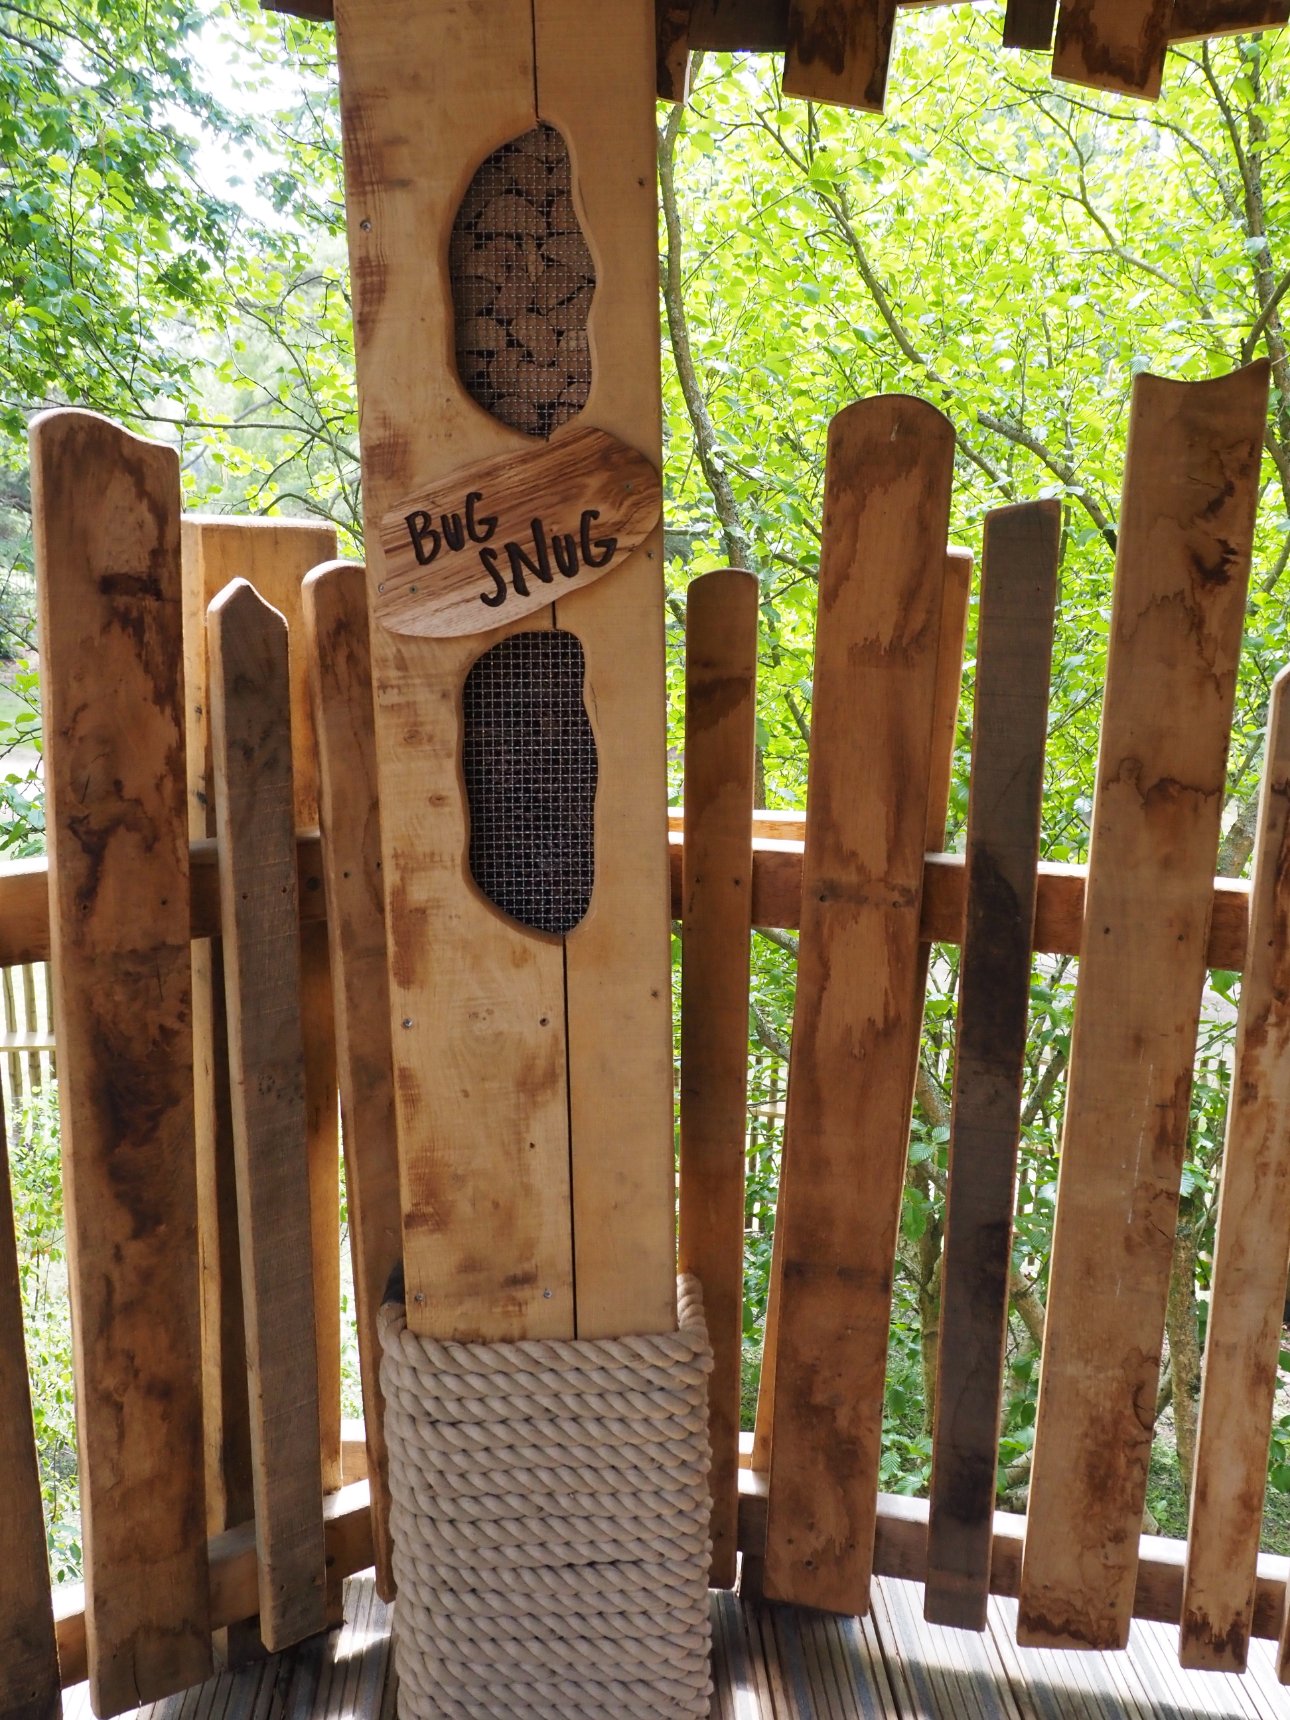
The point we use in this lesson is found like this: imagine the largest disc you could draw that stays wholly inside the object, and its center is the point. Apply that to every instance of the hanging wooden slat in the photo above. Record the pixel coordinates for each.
(840, 51)
(886, 514)
(105, 509)
(1182, 566)
(1248, 1281)
(672, 48)
(720, 722)
(336, 627)
(1013, 659)
(250, 709)
(29, 1680)
(1194, 19)
(1029, 24)
(1114, 45)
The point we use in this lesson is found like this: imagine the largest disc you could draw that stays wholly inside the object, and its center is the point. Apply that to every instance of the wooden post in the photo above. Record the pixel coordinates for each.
(106, 517)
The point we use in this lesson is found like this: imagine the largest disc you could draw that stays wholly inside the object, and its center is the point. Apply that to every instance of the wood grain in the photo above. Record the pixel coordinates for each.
(839, 51)
(251, 742)
(336, 627)
(1113, 44)
(720, 723)
(106, 520)
(672, 49)
(1029, 24)
(1194, 19)
(595, 79)
(29, 1681)
(477, 1004)
(886, 515)
(1013, 661)
(1182, 568)
(1247, 1285)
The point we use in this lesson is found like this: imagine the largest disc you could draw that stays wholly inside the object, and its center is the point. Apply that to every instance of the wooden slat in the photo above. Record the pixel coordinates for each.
(477, 1003)
(1187, 519)
(839, 51)
(29, 1682)
(1113, 44)
(106, 520)
(251, 743)
(720, 723)
(672, 48)
(595, 82)
(1194, 19)
(1248, 1282)
(1013, 660)
(1029, 24)
(886, 514)
(336, 624)
(274, 555)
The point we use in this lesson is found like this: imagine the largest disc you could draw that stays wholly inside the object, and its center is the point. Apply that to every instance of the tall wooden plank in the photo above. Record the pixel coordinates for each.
(672, 48)
(1113, 44)
(1029, 24)
(29, 1681)
(840, 51)
(251, 744)
(716, 932)
(477, 1004)
(595, 80)
(275, 555)
(886, 513)
(106, 519)
(1247, 1285)
(1182, 567)
(1013, 661)
(336, 627)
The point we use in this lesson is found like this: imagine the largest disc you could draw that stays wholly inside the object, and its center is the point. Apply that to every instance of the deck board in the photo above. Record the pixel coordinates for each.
(784, 1663)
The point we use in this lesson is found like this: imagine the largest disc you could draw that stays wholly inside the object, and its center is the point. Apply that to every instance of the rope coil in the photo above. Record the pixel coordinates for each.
(550, 1511)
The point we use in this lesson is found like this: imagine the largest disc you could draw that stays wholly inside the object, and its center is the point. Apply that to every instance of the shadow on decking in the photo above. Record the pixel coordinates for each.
(781, 1663)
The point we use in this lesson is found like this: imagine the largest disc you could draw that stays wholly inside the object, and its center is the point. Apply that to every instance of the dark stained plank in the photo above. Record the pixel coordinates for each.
(251, 741)
(106, 516)
(840, 51)
(1247, 1285)
(672, 38)
(1029, 24)
(1113, 44)
(1182, 568)
(720, 723)
(1193, 19)
(1014, 658)
(29, 1682)
(886, 518)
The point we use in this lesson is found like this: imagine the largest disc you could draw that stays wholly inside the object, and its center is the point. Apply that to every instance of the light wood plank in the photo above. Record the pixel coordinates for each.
(106, 518)
(1014, 658)
(1251, 1248)
(336, 624)
(477, 1004)
(274, 555)
(1182, 567)
(251, 744)
(1113, 44)
(595, 81)
(720, 723)
(1029, 24)
(886, 514)
(840, 51)
(29, 1682)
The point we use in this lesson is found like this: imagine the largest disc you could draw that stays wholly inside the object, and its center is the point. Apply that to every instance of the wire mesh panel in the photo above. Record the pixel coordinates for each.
(522, 284)
(530, 767)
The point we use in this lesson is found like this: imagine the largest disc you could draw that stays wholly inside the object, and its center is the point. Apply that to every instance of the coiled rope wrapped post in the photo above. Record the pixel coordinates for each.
(550, 1512)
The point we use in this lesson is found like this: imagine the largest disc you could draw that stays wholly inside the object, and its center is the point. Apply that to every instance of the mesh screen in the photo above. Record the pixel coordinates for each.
(529, 760)
(522, 282)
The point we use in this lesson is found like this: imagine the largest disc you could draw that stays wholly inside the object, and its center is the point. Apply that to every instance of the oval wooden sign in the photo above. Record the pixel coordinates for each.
(489, 543)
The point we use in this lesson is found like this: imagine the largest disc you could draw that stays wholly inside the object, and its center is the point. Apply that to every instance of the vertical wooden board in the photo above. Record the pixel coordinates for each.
(477, 1005)
(1014, 658)
(1182, 567)
(1248, 1282)
(672, 49)
(1029, 24)
(886, 512)
(106, 519)
(29, 1681)
(716, 932)
(251, 745)
(1113, 44)
(336, 624)
(274, 555)
(839, 51)
(595, 83)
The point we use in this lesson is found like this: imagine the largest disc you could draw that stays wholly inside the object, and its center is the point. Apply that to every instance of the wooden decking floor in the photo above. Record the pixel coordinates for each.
(790, 1665)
